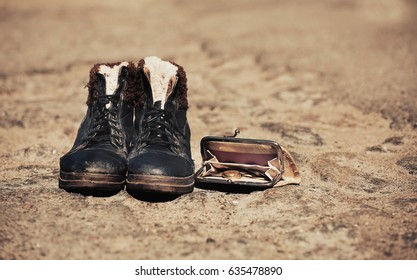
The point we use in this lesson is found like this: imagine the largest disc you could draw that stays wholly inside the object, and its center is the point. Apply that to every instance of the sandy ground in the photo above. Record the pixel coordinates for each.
(334, 82)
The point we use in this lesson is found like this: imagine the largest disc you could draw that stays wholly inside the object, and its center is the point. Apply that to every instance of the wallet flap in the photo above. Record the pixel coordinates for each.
(291, 173)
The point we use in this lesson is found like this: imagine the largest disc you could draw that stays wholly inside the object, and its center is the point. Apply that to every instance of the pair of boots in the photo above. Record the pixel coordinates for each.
(135, 132)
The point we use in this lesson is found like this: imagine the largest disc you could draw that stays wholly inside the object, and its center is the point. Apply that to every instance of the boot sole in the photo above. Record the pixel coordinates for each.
(91, 182)
(159, 184)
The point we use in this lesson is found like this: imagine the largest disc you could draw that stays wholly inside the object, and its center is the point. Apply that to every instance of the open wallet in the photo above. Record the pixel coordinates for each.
(246, 162)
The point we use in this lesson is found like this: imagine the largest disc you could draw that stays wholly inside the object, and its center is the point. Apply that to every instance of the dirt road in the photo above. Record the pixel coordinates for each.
(334, 82)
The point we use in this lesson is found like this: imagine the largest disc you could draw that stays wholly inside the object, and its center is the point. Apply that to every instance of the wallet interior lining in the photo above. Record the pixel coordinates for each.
(255, 163)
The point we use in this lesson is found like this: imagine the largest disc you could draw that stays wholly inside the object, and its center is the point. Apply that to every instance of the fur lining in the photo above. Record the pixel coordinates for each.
(131, 83)
(181, 88)
(91, 85)
(162, 76)
(133, 87)
(135, 94)
(111, 75)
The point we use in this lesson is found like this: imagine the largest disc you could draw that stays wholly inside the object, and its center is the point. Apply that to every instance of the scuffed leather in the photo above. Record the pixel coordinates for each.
(94, 160)
(160, 160)
(109, 157)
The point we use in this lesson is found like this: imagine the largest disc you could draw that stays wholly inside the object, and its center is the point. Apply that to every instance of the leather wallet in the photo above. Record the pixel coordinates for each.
(247, 162)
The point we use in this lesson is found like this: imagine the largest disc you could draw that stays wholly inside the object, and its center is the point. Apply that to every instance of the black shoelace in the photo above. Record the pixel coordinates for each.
(105, 121)
(159, 128)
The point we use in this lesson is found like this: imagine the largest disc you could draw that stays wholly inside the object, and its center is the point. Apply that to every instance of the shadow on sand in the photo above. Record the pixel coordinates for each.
(226, 188)
(153, 196)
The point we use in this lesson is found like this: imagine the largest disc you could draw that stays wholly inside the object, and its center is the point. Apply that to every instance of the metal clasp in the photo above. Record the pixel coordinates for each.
(237, 131)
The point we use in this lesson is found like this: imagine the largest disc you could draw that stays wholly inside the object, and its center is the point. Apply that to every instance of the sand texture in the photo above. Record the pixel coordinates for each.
(334, 81)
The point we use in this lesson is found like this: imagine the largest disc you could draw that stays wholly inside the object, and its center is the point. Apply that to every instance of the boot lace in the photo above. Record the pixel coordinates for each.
(105, 125)
(159, 128)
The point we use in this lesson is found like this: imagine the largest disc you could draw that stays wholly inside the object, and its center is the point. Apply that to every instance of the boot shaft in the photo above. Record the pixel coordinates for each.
(160, 159)
(161, 119)
(111, 97)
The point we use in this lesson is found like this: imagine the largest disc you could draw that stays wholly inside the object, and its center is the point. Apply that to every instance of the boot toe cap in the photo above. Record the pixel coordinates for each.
(161, 164)
(94, 161)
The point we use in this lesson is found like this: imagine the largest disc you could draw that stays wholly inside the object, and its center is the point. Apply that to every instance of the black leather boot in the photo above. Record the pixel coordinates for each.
(97, 162)
(160, 160)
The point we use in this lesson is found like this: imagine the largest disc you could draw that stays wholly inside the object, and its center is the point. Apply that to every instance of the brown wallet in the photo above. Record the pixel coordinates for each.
(248, 162)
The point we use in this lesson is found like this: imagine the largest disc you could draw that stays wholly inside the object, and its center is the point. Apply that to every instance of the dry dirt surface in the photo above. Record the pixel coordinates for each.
(334, 81)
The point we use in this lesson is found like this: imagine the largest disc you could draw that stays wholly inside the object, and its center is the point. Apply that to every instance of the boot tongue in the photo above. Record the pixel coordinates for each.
(157, 105)
(162, 77)
(111, 76)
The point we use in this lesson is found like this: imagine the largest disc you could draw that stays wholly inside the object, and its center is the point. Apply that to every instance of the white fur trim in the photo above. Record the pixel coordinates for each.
(162, 73)
(111, 74)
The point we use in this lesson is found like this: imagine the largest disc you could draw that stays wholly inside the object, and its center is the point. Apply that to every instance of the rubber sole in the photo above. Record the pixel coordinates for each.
(91, 182)
(159, 184)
